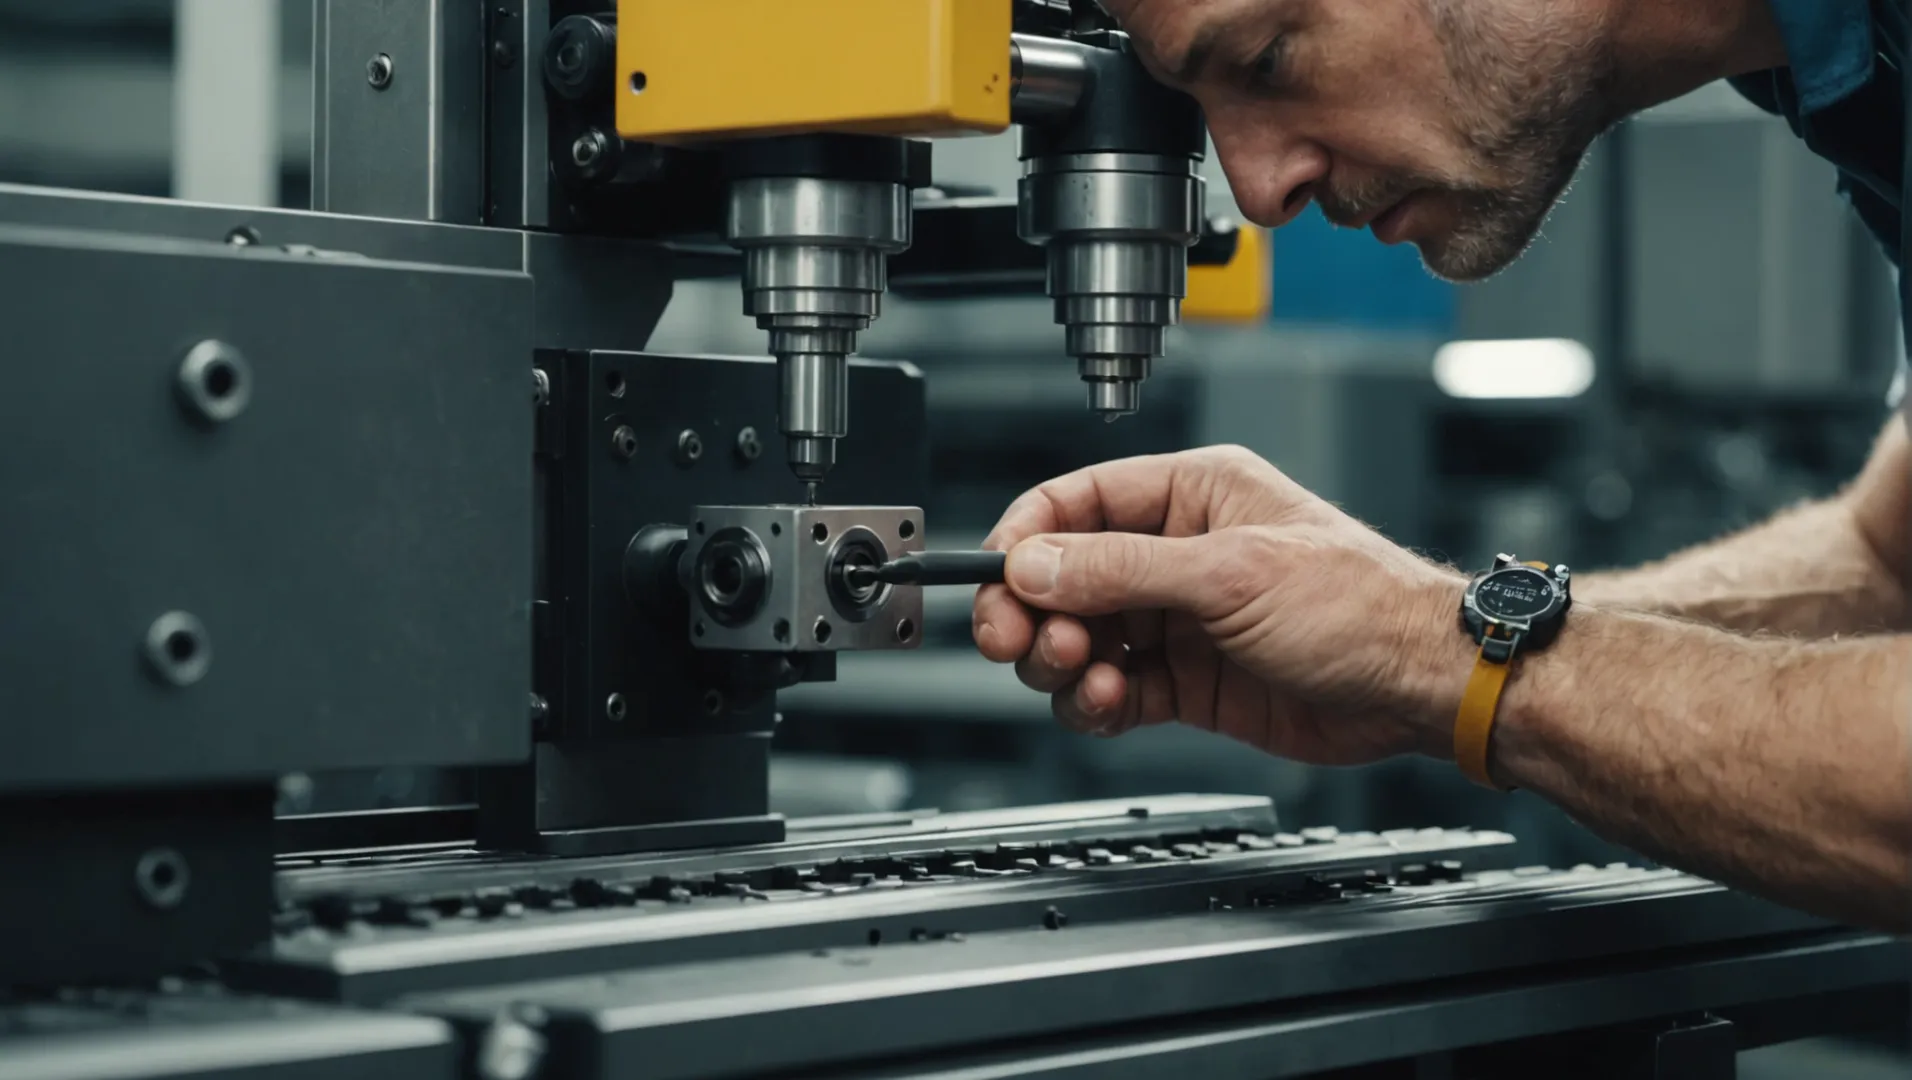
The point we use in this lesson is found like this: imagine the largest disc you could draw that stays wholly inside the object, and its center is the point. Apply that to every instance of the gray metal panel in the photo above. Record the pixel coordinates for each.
(413, 149)
(401, 241)
(593, 292)
(356, 542)
(518, 158)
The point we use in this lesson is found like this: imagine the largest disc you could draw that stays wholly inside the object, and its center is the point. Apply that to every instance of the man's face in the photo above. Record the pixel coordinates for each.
(1454, 124)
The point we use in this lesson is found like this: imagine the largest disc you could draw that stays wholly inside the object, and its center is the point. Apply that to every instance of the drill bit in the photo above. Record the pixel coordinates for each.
(810, 493)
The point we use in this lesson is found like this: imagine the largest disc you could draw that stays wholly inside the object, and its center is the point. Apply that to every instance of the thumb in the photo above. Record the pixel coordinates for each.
(1092, 574)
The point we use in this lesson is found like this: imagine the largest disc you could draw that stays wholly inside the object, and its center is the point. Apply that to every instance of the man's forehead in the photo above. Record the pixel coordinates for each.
(1164, 29)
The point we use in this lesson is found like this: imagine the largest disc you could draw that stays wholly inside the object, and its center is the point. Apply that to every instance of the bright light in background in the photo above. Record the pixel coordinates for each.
(1537, 368)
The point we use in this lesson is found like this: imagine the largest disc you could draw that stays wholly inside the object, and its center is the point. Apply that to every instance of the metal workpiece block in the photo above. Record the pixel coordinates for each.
(773, 578)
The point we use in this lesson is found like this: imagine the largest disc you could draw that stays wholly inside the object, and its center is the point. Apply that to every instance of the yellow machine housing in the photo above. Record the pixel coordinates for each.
(697, 69)
(1239, 290)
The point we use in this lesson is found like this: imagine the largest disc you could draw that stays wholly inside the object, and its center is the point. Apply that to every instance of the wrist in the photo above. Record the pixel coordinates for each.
(1436, 656)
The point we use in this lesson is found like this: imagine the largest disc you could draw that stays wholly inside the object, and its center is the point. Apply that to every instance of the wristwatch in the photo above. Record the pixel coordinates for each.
(1512, 608)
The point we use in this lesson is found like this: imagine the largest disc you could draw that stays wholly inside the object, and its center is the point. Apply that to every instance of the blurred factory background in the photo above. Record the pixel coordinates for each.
(1704, 335)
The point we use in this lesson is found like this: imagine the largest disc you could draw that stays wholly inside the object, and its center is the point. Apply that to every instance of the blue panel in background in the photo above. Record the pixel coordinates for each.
(1340, 277)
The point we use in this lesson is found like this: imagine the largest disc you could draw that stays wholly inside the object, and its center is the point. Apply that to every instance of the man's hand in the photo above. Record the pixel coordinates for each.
(1208, 588)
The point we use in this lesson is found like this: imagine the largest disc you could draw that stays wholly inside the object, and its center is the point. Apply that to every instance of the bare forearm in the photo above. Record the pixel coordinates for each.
(1834, 567)
(1780, 767)
(1808, 572)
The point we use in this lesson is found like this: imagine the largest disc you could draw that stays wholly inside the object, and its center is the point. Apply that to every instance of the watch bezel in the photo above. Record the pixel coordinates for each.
(1534, 631)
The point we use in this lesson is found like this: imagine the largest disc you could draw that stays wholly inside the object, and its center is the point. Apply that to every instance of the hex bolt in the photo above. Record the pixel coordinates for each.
(749, 447)
(214, 382)
(615, 707)
(161, 877)
(378, 71)
(624, 442)
(540, 386)
(178, 650)
(689, 447)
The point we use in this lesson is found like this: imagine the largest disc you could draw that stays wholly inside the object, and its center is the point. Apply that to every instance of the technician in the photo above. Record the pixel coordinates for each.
(1742, 711)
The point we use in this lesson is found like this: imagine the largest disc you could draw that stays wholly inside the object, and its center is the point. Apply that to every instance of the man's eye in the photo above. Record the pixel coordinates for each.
(1270, 67)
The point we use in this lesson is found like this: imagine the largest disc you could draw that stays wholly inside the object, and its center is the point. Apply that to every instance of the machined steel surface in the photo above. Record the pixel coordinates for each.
(199, 1031)
(1117, 228)
(306, 877)
(776, 578)
(1768, 992)
(1050, 75)
(829, 1008)
(646, 911)
(814, 273)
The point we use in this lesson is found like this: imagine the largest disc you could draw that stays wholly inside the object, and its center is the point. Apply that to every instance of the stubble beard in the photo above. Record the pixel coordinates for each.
(1528, 102)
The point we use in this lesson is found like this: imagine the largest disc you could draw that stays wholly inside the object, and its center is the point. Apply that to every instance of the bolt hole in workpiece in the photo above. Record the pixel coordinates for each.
(614, 383)
(220, 379)
(822, 631)
(907, 529)
(638, 82)
(781, 630)
(181, 646)
(905, 630)
(820, 532)
(161, 878)
(178, 649)
(214, 382)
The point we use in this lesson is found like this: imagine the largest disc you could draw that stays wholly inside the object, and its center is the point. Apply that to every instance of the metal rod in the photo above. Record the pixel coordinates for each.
(933, 568)
(1048, 77)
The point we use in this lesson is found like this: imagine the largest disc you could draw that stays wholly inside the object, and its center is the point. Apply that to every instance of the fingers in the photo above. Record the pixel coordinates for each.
(1183, 494)
(1108, 573)
(1004, 629)
(1062, 650)
(1107, 701)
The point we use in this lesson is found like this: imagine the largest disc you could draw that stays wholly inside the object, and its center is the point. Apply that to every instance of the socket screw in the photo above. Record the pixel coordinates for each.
(690, 447)
(624, 442)
(378, 71)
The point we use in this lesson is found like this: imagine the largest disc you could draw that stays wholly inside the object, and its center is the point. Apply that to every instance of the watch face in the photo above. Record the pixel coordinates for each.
(1517, 594)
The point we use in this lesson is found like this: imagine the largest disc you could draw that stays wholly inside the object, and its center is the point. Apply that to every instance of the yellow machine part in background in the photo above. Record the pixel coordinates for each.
(694, 69)
(1240, 290)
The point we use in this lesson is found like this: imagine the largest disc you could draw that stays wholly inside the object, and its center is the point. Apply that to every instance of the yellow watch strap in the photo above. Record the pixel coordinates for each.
(1474, 726)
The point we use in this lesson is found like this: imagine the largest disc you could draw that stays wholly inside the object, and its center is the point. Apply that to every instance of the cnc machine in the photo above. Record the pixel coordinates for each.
(393, 482)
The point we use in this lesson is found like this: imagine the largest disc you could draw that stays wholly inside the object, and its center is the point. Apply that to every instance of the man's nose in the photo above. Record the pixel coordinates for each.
(1273, 184)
